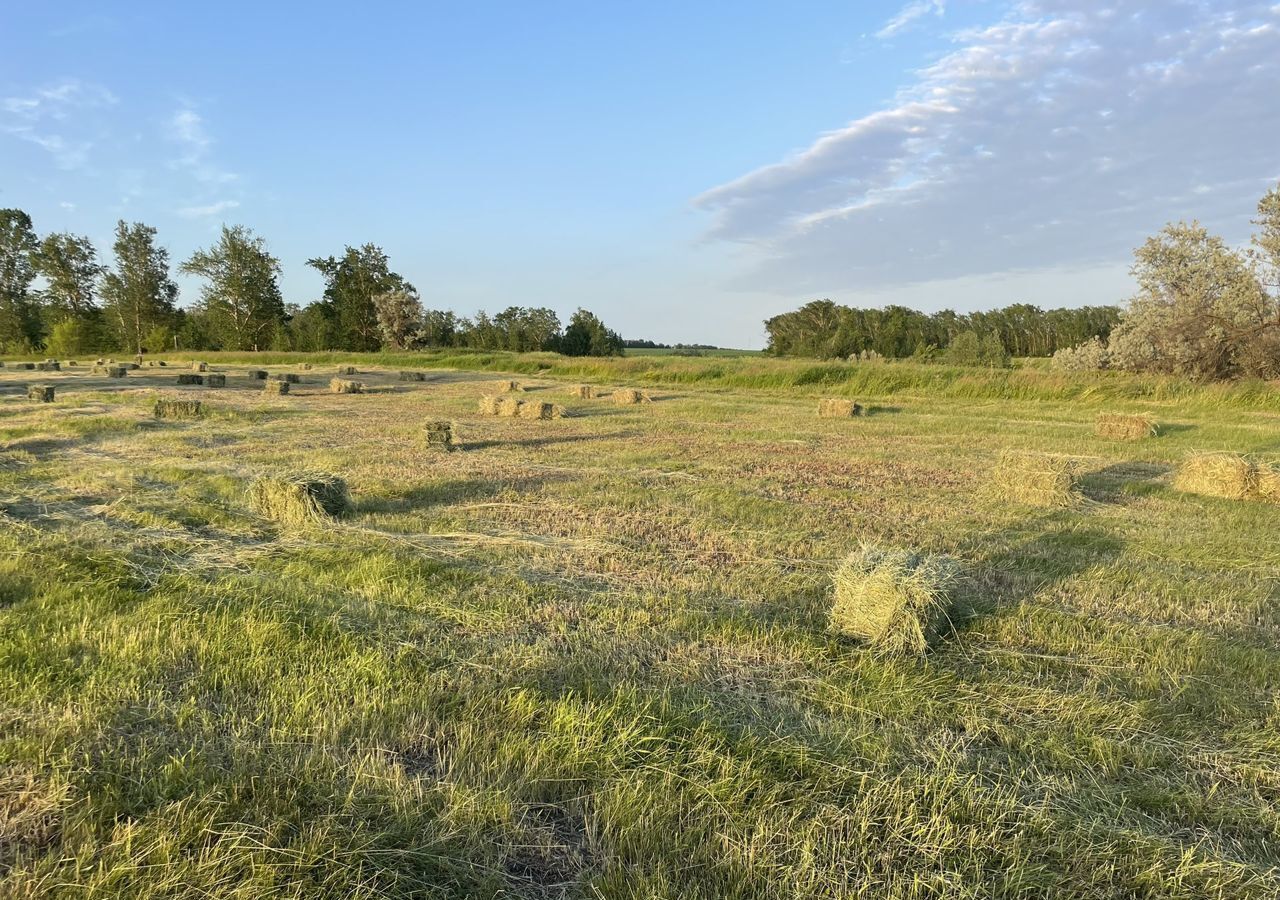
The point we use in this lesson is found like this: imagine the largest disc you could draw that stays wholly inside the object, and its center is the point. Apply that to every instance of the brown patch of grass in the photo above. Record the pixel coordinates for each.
(508, 387)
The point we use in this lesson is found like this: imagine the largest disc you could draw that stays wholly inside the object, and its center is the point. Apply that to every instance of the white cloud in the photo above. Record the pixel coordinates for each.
(187, 130)
(1057, 136)
(910, 14)
(209, 209)
(47, 116)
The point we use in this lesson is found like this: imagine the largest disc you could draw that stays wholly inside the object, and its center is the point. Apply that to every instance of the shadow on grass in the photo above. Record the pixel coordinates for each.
(443, 493)
(1119, 483)
(547, 440)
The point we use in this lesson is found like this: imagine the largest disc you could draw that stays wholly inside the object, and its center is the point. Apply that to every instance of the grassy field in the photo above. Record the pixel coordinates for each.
(589, 657)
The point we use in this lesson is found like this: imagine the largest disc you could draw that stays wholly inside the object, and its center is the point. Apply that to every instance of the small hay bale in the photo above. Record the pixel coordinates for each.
(132, 367)
(1119, 427)
(837, 408)
(290, 377)
(537, 409)
(342, 386)
(413, 376)
(178, 409)
(115, 371)
(583, 391)
(190, 378)
(346, 370)
(440, 436)
(49, 365)
(258, 374)
(1228, 475)
(508, 387)
(40, 393)
(301, 499)
(1036, 479)
(199, 367)
(1267, 483)
(488, 406)
(215, 379)
(896, 600)
(275, 386)
(509, 407)
(629, 397)
(306, 367)
(162, 363)
(29, 367)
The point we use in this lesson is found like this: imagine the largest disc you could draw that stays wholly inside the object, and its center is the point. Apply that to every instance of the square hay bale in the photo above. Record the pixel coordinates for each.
(29, 367)
(1036, 479)
(440, 436)
(346, 370)
(190, 378)
(1228, 475)
(508, 387)
(837, 408)
(896, 600)
(413, 376)
(162, 363)
(49, 365)
(178, 409)
(1120, 427)
(215, 379)
(199, 367)
(1267, 483)
(488, 406)
(583, 391)
(537, 409)
(342, 386)
(509, 407)
(275, 386)
(290, 377)
(301, 498)
(629, 397)
(113, 371)
(40, 393)
(258, 374)
(306, 367)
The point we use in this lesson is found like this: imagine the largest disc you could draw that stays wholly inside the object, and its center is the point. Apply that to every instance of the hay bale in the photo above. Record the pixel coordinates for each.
(1119, 427)
(306, 367)
(199, 367)
(162, 363)
(1267, 483)
(537, 409)
(111, 371)
(1036, 479)
(301, 499)
(29, 367)
(275, 386)
(49, 365)
(190, 378)
(132, 367)
(508, 387)
(1228, 475)
(290, 377)
(583, 391)
(258, 374)
(215, 379)
(509, 407)
(413, 376)
(346, 370)
(629, 397)
(178, 409)
(488, 406)
(440, 436)
(40, 393)
(896, 600)
(837, 408)
(342, 386)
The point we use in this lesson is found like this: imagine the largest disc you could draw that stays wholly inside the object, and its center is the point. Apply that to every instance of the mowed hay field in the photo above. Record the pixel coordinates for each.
(590, 656)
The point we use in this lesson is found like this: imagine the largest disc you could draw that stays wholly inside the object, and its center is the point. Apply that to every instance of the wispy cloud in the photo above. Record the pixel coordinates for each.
(1058, 135)
(209, 209)
(48, 117)
(910, 14)
(186, 128)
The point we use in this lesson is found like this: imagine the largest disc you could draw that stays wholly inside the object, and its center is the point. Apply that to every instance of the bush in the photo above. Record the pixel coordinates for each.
(1091, 356)
(970, 349)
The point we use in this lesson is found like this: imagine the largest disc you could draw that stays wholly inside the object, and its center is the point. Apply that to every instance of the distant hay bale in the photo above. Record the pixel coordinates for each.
(537, 409)
(346, 370)
(178, 409)
(162, 363)
(413, 376)
(1228, 475)
(305, 367)
(509, 407)
(29, 367)
(488, 406)
(258, 374)
(1036, 479)
(342, 386)
(215, 379)
(49, 365)
(274, 386)
(132, 367)
(190, 378)
(1120, 427)
(199, 367)
(290, 377)
(440, 436)
(110, 371)
(630, 396)
(1267, 483)
(836, 408)
(896, 600)
(583, 391)
(301, 499)
(508, 387)
(40, 393)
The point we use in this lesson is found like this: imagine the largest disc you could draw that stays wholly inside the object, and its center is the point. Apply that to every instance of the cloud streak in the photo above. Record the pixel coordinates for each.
(909, 15)
(1059, 135)
(46, 116)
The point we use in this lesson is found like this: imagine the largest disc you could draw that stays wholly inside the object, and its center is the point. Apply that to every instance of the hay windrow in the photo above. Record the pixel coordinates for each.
(1121, 427)
(837, 408)
(1036, 479)
(1228, 475)
(178, 409)
(301, 499)
(40, 393)
(629, 397)
(275, 386)
(896, 600)
(343, 386)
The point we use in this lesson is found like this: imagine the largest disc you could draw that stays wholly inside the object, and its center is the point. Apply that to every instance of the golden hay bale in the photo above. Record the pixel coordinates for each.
(346, 370)
(1119, 427)
(836, 408)
(1036, 479)
(1267, 483)
(488, 406)
(178, 409)
(199, 367)
(509, 407)
(190, 378)
(896, 600)
(275, 386)
(583, 391)
(342, 386)
(537, 409)
(508, 387)
(40, 393)
(300, 499)
(630, 396)
(440, 436)
(413, 376)
(1228, 475)
(215, 379)
(290, 377)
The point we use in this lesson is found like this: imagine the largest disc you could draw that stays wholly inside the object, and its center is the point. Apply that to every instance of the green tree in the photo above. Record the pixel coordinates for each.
(351, 283)
(241, 295)
(19, 318)
(439, 328)
(588, 336)
(399, 319)
(138, 294)
(69, 265)
(312, 328)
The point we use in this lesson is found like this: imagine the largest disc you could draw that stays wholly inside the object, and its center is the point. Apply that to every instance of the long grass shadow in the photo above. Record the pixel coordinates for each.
(548, 440)
(446, 492)
(1120, 483)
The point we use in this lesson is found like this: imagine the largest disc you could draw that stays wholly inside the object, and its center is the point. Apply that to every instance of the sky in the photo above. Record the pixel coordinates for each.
(684, 170)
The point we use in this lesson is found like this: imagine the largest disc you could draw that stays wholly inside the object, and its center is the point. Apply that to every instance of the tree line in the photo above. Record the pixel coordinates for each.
(56, 295)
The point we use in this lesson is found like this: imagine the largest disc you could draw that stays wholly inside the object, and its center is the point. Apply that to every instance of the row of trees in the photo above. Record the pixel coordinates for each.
(827, 330)
(55, 294)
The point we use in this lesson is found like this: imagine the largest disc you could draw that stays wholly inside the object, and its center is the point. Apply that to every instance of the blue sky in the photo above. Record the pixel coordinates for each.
(685, 170)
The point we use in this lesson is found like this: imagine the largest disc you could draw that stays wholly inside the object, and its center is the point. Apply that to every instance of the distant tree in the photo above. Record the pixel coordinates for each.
(351, 283)
(312, 328)
(70, 267)
(138, 294)
(19, 319)
(69, 337)
(439, 328)
(971, 349)
(399, 319)
(588, 336)
(522, 330)
(241, 295)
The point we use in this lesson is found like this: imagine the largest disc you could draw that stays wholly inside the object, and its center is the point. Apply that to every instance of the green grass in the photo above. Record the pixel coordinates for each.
(590, 657)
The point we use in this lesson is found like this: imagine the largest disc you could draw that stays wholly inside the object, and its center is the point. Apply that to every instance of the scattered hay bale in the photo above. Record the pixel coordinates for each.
(258, 374)
(290, 377)
(1228, 475)
(509, 407)
(109, 371)
(583, 391)
(132, 367)
(440, 436)
(178, 409)
(161, 363)
(306, 367)
(215, 379)
(301, 499)
(190, 378)
(836, 408)
(629, 397)
(199, 367)
(488, 406)
(537, 409)
(1036, 479)
(896, 600)
(508, 387)
(275, 386)
(413, 376)
(25, 366)
(342, 386)
(49, 365)
(1119, 427)
(1267, 483)
(346, 370)
(40, 393)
